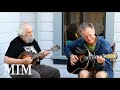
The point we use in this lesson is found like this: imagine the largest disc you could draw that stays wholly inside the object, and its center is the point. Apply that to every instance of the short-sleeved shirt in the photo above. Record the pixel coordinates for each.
(18, 46)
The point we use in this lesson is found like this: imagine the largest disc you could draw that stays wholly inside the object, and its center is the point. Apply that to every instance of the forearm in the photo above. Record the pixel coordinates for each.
(10, 60)
(41, 57)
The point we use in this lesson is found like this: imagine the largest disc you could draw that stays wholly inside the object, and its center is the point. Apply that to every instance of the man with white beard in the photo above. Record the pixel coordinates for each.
(25, 42)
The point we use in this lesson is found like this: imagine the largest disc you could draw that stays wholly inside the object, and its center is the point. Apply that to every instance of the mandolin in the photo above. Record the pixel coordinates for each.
(35, 57)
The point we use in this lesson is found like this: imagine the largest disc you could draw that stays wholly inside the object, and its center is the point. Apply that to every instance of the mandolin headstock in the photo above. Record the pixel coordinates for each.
(55, 47)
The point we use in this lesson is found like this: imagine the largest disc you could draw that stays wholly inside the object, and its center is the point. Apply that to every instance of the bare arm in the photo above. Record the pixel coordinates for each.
(10, 60)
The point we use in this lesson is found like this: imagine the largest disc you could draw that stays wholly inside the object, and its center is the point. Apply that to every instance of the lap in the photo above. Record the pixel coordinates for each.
(46, 71)
(92, 73)
(32, 74)
(40, 71)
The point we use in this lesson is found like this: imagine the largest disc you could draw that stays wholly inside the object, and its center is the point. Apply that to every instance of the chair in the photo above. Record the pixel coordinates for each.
(113, 48)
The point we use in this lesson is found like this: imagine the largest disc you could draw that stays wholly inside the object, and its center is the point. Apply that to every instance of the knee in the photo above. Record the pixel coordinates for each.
(56, 73)
(35, 74)
(101, 74)
(83, 74)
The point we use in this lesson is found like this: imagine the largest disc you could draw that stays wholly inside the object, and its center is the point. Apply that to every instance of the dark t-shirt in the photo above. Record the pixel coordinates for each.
(17, 46)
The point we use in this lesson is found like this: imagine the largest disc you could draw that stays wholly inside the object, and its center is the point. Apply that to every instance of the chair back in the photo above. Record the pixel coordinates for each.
(113, 48)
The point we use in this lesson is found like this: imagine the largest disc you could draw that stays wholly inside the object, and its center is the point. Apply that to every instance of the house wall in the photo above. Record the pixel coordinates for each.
(9, 22)
(117, 41)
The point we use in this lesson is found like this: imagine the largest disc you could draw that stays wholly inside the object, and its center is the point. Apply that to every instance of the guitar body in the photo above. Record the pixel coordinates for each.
(28, 54)
(86, 61)
(88, 65)
(80, 64)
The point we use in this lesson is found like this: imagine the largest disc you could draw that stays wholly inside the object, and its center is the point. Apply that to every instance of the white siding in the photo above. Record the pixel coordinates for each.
(9, 17)
(45, 34)
(9, 22)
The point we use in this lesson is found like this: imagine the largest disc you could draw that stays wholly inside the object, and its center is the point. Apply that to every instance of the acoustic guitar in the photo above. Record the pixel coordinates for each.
(86, 60)
(35, 57)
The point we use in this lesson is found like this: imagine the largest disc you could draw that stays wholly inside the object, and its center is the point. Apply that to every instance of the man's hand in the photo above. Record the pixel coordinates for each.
(27, 60)
(43, 54)
(100, 59)
(73, 59)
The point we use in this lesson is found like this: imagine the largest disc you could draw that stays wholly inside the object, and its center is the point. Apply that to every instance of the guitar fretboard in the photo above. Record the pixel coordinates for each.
(91, 58)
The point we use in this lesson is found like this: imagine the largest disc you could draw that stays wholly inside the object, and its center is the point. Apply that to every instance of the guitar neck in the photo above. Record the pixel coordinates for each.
(90, 58)
(93, 58)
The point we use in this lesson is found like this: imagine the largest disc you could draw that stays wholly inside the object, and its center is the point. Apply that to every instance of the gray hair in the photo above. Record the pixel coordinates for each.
(85, 25)
(22, 29)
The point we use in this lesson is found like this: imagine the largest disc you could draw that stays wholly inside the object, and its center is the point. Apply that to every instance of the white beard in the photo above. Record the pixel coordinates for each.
(29, 40)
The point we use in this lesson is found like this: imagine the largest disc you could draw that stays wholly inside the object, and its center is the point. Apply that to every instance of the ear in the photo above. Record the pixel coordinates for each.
(20, 32)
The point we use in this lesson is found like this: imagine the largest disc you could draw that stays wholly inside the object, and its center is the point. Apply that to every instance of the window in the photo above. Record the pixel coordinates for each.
(72, 20)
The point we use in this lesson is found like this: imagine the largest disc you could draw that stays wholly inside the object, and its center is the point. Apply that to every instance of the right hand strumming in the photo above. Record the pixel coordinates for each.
(73, 59)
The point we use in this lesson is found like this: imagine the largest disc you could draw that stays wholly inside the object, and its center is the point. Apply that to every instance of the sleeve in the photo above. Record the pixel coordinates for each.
(37, 46)
(108, 63)
(68, 49)
(11, 51)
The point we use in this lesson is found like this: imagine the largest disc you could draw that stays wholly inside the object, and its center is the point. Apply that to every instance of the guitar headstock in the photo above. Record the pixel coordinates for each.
(111, 56)
(55, 47)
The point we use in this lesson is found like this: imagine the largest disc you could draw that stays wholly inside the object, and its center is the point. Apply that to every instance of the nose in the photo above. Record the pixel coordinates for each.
(88, 38)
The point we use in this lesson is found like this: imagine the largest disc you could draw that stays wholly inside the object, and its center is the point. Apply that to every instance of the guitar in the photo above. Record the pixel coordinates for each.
(86, 60)
(35, 57)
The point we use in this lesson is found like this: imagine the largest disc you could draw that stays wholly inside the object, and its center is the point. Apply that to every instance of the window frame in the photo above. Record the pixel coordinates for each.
(58, 36)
